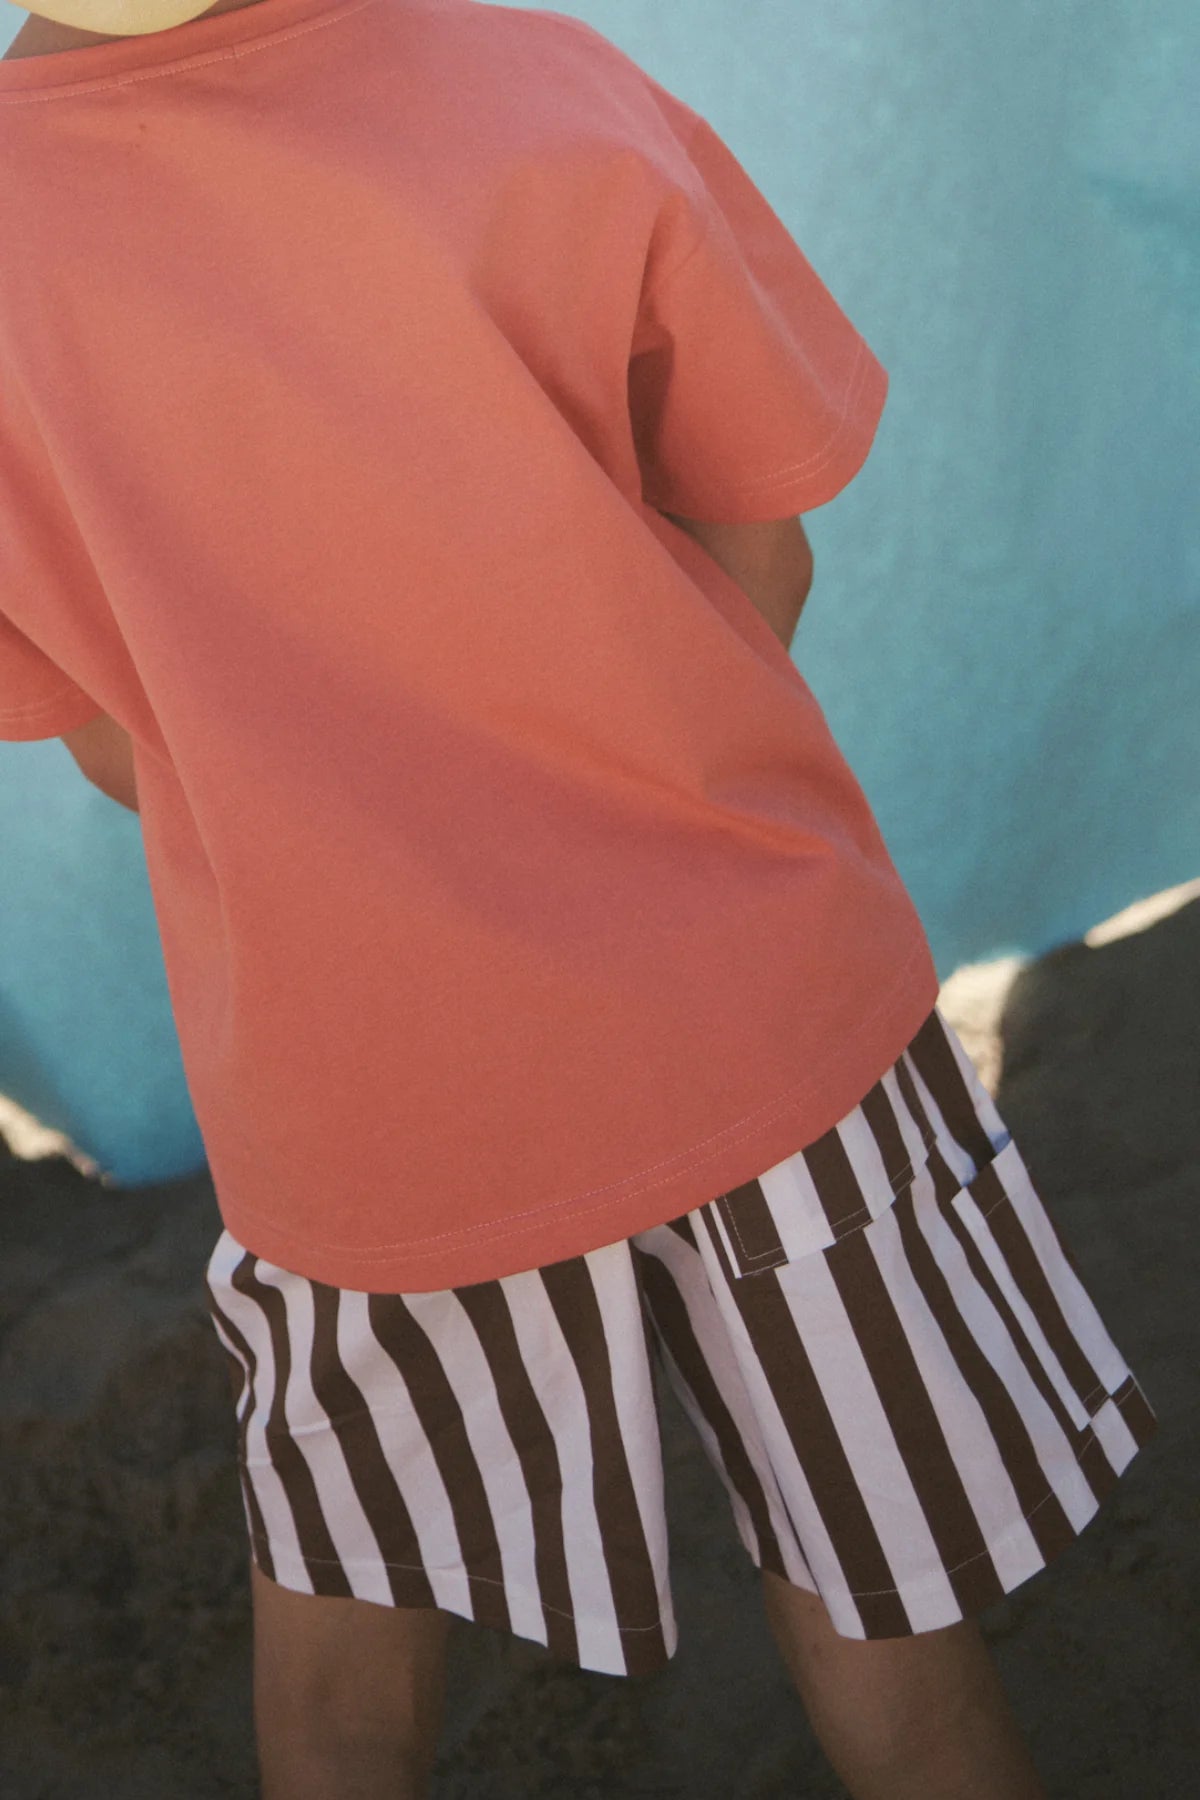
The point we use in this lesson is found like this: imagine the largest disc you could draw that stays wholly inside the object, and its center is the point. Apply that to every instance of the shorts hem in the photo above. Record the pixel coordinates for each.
(1090, 1458)
(641, 1657)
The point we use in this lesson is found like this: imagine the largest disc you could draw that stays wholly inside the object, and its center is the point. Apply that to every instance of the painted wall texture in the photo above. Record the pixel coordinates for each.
(1005, 626)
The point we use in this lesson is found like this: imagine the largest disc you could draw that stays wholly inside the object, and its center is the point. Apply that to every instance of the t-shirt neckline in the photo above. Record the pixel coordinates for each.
(95, 65)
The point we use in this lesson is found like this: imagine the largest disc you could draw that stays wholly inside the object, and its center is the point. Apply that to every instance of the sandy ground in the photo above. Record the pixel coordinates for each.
(124, 1627)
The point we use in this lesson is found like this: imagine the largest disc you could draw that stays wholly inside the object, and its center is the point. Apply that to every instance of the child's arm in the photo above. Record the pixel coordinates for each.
(772, 564)
(104, 752)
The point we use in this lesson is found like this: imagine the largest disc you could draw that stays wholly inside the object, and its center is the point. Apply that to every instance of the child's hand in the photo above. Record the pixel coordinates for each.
(104, 751)
(771, 563)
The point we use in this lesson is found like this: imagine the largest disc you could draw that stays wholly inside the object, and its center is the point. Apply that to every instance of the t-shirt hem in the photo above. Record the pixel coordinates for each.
(739, 1153)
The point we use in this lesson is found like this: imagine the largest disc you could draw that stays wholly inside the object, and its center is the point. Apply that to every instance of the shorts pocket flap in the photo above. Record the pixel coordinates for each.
(751, 1235)
(822, 1194)
(891, 1144)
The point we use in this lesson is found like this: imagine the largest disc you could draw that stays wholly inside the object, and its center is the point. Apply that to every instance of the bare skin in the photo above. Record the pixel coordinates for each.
(917, 1718)
(349, 1701)
(45, 37)
(348, 1696)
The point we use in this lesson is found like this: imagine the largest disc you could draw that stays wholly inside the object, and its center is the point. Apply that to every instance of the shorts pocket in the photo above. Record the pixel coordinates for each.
(1030, 1276)
(834, 1187)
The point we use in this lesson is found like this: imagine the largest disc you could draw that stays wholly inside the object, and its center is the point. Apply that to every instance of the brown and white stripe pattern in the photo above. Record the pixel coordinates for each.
(885, 1348)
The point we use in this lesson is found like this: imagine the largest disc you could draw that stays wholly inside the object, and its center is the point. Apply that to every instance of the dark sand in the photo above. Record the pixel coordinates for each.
(124, 1626)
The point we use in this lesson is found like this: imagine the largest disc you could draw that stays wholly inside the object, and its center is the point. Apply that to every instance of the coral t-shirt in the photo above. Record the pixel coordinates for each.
(514, 896)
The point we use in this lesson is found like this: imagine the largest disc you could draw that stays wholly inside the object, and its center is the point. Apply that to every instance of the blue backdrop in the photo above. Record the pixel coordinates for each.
(1004, 629)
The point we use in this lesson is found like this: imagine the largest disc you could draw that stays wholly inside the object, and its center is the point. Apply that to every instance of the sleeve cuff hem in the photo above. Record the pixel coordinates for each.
(65, 710)
(798, 487)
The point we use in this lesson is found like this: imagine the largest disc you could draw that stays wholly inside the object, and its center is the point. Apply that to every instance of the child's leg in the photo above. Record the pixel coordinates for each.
(348, 1696)
(913, 1718)
(914, 1404)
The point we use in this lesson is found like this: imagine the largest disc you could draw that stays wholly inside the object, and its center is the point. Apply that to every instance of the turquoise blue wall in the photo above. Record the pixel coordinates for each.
(1004, 631)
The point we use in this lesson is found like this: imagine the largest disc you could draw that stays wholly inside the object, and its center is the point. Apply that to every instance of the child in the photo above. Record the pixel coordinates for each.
(407, 410)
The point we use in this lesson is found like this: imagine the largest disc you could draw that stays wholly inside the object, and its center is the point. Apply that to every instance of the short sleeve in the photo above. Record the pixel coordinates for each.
(36, 699)
(752, 396)
(41, 570)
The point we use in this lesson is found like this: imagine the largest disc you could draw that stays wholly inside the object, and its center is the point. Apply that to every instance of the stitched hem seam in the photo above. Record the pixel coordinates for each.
(534, 1219)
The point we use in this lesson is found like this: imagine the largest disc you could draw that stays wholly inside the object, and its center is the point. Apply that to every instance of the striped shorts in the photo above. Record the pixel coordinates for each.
(885, 1347)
